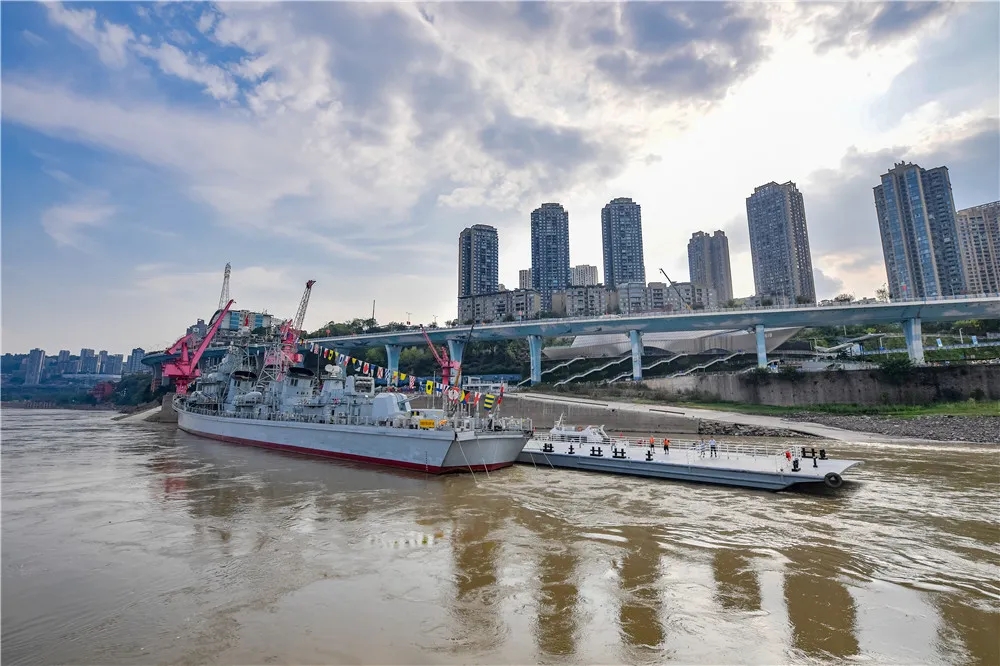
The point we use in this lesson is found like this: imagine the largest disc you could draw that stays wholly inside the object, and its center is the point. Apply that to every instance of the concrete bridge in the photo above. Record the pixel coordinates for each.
(908, 313)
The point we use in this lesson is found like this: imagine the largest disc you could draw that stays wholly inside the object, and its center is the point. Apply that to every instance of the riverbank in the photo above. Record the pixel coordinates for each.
(978, 429)
(42, 404)
(945, 428)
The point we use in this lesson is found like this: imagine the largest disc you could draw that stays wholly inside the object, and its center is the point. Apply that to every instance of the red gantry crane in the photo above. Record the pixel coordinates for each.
(184, 369)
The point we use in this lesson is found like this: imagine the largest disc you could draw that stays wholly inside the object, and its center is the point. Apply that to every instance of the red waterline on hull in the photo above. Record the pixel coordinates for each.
(431, 469)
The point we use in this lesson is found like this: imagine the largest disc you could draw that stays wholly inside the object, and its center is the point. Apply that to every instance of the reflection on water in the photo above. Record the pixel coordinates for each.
(639, 616)
(737, 587)
(475, 550)
(557, 623)
(118, 540)
(820, 608)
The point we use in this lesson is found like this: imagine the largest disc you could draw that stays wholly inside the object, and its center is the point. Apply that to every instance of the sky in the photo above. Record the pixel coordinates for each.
(146, 145)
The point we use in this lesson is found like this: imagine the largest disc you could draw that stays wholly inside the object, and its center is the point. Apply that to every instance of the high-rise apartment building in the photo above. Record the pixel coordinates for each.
(549, 251)
(478, 260)
(34, 368)
(621, 233)
(779, 243)
(583, 276)
(524, 278)
(133, 365)
(708, 263)
(88, 362)
(102, 361)
(979, 247)
(916, 218)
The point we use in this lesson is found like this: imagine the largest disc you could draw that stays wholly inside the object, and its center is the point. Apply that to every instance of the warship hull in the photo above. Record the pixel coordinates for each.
(431, 451)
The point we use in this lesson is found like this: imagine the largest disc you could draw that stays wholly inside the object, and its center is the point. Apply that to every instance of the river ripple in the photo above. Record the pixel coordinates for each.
(140, 543)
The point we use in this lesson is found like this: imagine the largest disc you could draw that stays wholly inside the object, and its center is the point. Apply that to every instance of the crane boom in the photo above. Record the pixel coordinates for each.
(300, 314)
(673, 286)
(430, 344)
(184, 370)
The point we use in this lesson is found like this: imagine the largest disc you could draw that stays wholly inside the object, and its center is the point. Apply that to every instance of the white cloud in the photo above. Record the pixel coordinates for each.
(32, 38)
(66, 223)
(171, 60)
(370, 132)
(109, 39)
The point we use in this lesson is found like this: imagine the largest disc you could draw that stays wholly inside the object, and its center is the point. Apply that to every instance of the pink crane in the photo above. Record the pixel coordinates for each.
(448, 367)
(184, 370)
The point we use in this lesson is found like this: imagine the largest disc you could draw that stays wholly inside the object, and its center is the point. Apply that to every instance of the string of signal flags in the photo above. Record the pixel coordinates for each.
(429, 386)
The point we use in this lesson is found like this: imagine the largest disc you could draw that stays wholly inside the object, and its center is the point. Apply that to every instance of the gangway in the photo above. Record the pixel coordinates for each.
(702, 366)
(593, 370)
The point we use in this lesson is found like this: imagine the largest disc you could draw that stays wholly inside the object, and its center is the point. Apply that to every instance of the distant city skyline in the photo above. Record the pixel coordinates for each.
(123, 203)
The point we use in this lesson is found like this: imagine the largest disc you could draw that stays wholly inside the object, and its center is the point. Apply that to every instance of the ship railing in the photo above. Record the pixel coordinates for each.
(774, 455)
(503, 423)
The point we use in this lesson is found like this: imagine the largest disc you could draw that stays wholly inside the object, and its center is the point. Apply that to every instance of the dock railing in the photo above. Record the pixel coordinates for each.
(697, 450)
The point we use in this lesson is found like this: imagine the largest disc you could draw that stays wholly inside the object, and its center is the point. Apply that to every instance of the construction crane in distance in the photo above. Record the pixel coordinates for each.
(673, 285)
(224, 296)
(184, 369)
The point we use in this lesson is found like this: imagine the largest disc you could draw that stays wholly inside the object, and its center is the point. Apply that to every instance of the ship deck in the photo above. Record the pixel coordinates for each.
(750, 466)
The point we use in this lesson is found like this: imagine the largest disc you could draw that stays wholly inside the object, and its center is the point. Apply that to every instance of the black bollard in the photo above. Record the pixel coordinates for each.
(795, 465)
(649, 455)
(815, 464)
(804, 452)
(814, 452)
(822, 454)
(571, 449)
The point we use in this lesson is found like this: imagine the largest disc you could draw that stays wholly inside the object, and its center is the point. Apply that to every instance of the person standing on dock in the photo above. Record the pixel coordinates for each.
(712, 448)
(666, 445)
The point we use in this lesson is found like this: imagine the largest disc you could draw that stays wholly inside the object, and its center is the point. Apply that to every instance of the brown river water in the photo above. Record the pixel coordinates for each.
(142, 544)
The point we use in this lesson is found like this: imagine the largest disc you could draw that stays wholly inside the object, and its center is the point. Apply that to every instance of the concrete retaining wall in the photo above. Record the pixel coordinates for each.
(861, 387)
(167, 413)
(545, 414)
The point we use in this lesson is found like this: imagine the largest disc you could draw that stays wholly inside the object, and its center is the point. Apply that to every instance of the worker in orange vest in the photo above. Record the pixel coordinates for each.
(666, 445)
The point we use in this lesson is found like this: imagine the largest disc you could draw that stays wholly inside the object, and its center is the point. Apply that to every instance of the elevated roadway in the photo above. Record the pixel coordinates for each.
(908, 313)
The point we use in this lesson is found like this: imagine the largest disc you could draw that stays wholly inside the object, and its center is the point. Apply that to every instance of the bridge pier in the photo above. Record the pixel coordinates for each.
(392, 360)
(535, 354)
(914, 340)
(635, 338)
(761, 346)
(455, 350)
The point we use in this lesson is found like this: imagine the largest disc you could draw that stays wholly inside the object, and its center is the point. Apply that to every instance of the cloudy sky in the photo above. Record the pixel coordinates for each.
(145, 145)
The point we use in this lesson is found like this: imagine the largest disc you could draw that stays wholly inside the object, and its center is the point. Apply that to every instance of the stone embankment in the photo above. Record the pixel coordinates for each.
(718, 428)
(975, 429)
